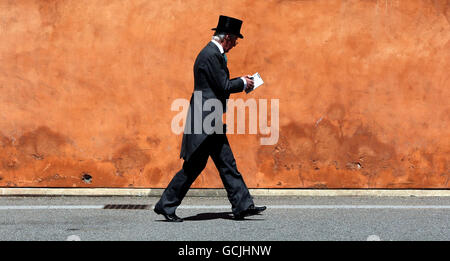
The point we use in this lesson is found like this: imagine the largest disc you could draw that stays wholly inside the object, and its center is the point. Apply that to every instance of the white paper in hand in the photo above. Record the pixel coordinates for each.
(257, 80)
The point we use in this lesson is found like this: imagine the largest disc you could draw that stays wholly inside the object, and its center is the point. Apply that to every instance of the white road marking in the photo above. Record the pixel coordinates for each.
(37, 207)
(73, 238)
(373, 238)
(405, 207)
(325, 207)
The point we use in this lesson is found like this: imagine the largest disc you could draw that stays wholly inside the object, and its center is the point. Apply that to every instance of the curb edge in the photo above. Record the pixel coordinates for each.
(222, 193)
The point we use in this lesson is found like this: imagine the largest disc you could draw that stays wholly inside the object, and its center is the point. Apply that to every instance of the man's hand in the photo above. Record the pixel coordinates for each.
(250, 83)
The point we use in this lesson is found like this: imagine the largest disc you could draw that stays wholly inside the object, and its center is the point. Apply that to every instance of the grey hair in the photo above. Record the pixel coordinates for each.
(219, 36)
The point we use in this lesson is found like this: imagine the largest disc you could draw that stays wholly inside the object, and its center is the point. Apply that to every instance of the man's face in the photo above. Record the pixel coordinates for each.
(229, 42)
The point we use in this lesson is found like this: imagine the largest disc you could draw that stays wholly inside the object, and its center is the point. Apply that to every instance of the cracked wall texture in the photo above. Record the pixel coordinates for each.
(363, 87)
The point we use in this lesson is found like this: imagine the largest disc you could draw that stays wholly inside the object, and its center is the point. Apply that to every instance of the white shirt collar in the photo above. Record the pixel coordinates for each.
(218, 46)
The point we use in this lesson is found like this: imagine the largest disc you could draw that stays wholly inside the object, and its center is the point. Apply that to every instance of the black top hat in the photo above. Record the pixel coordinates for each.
(229, 25)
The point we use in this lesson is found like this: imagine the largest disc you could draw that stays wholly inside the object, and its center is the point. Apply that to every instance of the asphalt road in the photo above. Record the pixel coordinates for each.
(286, 219)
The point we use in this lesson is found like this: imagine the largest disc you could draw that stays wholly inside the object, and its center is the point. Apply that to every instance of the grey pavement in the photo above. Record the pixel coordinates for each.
(209, 218)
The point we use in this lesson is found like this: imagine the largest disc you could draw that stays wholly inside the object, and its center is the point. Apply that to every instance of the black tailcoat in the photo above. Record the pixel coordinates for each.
(212, 78)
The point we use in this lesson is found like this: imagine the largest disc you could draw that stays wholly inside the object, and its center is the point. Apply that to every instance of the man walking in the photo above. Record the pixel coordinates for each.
(211, 81)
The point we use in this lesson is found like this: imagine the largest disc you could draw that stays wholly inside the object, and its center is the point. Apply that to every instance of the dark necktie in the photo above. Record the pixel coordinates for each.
(225, 57)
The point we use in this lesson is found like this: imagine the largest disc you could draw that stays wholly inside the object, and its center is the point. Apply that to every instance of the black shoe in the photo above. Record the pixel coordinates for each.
(169, 218)
(251, 211)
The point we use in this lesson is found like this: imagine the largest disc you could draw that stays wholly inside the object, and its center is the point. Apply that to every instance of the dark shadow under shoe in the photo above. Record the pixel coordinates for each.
(169, 217)
(210, 216)
(251, 211)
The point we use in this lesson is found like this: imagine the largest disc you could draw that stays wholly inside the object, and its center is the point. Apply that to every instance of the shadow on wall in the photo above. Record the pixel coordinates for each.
(336, 153)
(45, 158)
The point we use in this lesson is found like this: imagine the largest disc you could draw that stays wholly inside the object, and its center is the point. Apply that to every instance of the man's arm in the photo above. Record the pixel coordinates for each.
(218, 76)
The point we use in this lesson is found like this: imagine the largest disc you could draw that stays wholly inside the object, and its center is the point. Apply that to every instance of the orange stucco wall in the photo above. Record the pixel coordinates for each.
(86, 89)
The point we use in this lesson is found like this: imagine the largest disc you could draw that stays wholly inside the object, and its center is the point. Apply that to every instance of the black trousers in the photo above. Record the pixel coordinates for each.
(216, 146)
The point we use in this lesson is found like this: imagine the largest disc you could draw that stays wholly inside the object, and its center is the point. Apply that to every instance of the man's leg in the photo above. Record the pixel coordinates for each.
(233, 181)
(182, 181)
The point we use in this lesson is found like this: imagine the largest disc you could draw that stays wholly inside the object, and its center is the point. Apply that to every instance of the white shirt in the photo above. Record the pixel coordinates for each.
(218, 45)
(221, 51)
